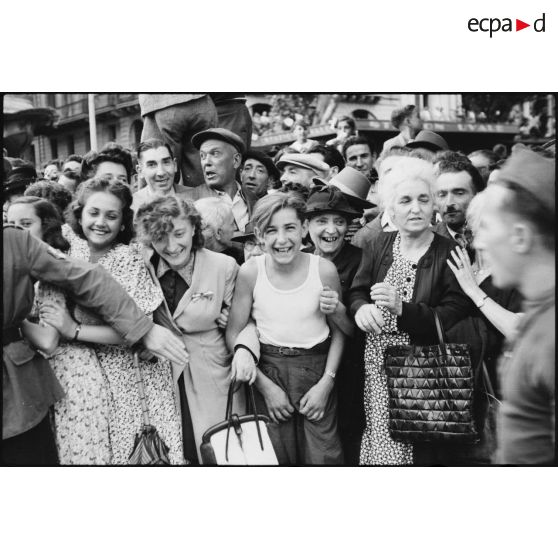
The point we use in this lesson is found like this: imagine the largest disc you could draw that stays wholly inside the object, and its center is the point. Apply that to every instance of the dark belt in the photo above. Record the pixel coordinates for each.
(319, 349)
(11, 334)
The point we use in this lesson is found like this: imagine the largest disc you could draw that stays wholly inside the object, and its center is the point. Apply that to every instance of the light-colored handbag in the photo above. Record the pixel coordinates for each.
(239, 440)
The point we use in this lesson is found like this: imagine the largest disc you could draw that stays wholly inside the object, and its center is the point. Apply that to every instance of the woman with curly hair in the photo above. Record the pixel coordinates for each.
(198, 287)
(101, 218)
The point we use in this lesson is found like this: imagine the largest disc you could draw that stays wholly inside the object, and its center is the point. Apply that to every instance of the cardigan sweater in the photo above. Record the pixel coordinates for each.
(435, 287)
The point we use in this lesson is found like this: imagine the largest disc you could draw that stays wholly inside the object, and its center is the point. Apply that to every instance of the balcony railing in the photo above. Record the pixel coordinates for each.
(103, 102)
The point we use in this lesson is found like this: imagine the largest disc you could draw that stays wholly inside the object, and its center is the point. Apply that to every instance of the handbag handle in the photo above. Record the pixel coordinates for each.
(488, 384)
(439, 330)
(229, 417)
(141, 389)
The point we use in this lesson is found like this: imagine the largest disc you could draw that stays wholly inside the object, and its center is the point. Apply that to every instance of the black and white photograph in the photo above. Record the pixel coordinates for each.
(279, 279)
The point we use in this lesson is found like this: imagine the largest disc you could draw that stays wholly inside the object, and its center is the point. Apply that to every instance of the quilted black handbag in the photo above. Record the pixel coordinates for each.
(431, 392)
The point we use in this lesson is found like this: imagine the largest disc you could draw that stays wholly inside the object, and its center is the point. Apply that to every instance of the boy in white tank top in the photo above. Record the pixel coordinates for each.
(300, 347)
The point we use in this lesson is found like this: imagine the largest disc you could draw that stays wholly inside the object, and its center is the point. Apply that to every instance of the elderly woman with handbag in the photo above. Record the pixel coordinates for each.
(403, 276)
(198, 287)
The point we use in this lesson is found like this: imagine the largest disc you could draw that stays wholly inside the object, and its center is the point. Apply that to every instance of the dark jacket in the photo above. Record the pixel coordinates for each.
(435, 287)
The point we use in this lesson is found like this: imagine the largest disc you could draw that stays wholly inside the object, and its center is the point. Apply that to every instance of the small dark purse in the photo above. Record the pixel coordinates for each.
(149, 447)
(431, 392)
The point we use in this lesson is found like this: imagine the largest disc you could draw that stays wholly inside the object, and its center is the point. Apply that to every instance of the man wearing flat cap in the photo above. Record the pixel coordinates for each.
(258, 173)
(221, 154)
(517, 236)
(299, 168)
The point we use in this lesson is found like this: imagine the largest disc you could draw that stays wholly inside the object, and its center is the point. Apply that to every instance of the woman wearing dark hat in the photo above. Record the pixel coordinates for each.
(329, 215)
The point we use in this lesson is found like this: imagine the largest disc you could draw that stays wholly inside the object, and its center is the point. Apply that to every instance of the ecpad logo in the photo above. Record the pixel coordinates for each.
(494, 24)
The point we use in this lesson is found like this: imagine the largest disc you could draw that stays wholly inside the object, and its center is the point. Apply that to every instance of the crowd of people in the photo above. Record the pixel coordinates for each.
(293, 273)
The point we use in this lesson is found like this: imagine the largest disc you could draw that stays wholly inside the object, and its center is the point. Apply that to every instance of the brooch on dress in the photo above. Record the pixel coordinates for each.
(200, 296)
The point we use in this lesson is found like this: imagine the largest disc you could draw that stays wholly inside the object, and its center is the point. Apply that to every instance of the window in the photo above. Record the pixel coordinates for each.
(70, 146)
(111, 132)
(53, 148)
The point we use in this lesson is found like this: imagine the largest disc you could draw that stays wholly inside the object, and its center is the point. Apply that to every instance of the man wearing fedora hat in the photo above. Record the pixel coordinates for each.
(428, 144)
(517, 236)
(409, 124)
(301, 168)
(221, 154)
(258, 172)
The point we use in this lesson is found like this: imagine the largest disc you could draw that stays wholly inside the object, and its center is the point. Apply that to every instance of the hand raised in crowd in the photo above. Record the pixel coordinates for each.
(329, 299)
(279, 407)
(243, 367)
(163, 343)
(57, 316)
(369, 318)
(386, 296)
(223, 318)
(463, 271)
(314, 401)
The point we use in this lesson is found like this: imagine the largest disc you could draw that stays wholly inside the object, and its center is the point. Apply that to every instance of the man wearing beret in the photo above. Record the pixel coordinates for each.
(221, 155)
(258, 172)
(517, 235)
(301, 168)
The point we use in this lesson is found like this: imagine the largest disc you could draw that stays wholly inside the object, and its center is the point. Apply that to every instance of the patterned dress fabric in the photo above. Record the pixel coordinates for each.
(81, 419)
(377, 447)
(125, 264)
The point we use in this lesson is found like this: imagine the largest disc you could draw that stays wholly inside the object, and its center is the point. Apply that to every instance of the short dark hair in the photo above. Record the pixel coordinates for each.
(330, 154)
(51, 221)
(523, 203)
(399, 115)
(75, 158)
(358, 140)
(455, 162)
(269, 205)
(112, 152)
(51, 191)
(152, 143)
(350, 121)
(117, 189)
(154, 220)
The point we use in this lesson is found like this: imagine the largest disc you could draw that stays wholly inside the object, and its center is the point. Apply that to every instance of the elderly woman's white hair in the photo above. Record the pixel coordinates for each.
(214, 212)
(398, 170)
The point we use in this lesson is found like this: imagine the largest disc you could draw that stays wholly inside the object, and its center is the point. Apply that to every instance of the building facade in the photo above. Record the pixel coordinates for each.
(117, 119)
